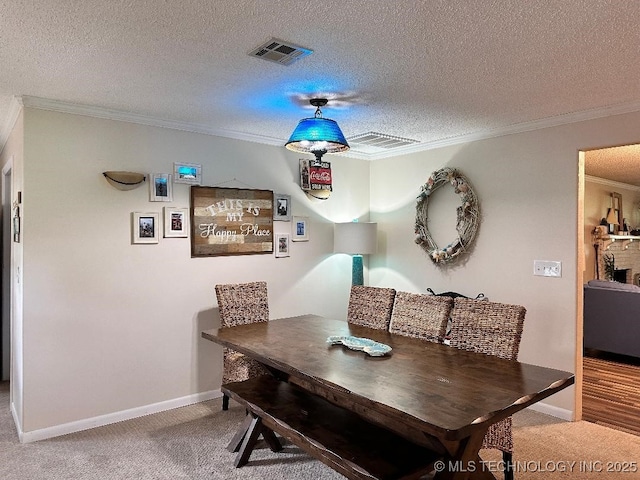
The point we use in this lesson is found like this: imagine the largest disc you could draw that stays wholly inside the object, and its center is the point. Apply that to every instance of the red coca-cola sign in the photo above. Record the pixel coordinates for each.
(321, 176)
(315, 175)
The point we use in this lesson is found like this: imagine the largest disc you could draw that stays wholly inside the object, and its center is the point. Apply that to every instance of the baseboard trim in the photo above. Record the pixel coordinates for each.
(557, 412)
(88, 423)
(16, 422)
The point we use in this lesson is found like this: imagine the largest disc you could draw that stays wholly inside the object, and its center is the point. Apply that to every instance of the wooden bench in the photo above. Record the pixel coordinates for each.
(337, 437)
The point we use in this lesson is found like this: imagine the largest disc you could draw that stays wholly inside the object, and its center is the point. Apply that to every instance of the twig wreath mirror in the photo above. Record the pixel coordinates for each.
(468, 216)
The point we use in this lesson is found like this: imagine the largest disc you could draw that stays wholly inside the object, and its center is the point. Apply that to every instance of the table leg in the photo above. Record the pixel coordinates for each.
(464, 462)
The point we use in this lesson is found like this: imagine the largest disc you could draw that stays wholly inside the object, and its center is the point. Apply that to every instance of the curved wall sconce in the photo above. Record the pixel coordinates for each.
(124, 180)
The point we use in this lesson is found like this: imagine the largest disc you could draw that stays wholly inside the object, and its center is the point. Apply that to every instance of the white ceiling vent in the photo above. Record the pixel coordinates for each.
(279, 51)
(374, 142)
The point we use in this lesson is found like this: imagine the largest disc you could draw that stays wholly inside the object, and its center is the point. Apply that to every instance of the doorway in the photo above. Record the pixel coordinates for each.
(5, 301)
(609, 380)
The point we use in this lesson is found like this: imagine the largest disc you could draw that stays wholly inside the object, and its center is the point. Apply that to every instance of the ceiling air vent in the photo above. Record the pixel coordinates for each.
(279, 51)
(374, 142)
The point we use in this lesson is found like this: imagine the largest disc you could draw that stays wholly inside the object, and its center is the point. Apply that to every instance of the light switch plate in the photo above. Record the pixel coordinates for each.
(547, 268)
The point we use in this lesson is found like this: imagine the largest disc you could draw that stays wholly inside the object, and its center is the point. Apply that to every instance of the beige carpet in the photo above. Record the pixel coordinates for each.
(190, 443)
(577, 450)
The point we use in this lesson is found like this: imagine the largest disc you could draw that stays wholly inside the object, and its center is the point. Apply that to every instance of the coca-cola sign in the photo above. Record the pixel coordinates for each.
(315, 175)
(321, 177)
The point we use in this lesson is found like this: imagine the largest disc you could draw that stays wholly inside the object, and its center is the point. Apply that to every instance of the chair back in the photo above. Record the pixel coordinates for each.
(487, 327)
(370, 306)
(421, 316)
(242, 303)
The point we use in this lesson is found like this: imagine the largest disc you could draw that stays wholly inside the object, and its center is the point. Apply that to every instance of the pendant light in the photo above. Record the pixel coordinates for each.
(317, 135)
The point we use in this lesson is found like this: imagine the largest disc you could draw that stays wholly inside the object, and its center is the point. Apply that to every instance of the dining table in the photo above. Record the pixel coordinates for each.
(427, 395)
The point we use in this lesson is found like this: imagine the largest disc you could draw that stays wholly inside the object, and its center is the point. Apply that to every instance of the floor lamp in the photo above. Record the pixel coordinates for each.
(356, 239)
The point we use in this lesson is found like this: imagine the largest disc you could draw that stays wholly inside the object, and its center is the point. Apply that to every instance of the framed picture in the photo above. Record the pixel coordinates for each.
(16, 218)
(144, 227)
(16, 224)
(282, 244)
(616, 200)
(176, 222)
(300, 229)
(282, 207)
(160, 188)
(190, 173)
(230, 221)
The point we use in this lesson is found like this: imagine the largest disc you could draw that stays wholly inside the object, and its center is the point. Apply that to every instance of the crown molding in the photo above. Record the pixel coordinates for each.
(110, 114)
(15, 107)
(611, 183)
(118, 115)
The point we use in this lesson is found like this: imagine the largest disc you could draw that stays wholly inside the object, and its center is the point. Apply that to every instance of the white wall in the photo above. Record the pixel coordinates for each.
(527, 185)
(110, 326)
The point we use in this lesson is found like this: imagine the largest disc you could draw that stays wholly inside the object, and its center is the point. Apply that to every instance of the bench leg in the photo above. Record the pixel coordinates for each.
(249, 442)
(271, 439)
(236, 441)
(267, 434)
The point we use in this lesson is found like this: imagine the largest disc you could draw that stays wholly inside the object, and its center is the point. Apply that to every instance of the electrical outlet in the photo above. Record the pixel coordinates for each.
(547, 268)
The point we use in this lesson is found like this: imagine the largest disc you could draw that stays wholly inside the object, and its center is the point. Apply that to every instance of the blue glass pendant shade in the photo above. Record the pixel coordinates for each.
(317, 134)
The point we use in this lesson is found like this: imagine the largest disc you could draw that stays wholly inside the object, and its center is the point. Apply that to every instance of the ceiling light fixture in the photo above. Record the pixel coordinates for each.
(317, 135)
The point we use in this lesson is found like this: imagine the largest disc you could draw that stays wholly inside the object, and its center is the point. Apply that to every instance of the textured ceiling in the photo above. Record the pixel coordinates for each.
(430, 71)
(621, 164)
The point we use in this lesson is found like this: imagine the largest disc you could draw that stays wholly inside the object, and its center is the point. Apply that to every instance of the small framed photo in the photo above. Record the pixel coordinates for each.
(300, 229)
(190, 173)
(16, 224)
(160, 188)
(176, 222)
(282, 244)
(144, 227)
(282, 207)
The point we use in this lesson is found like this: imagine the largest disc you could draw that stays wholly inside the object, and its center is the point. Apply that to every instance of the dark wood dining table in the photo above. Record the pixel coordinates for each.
(431, 394)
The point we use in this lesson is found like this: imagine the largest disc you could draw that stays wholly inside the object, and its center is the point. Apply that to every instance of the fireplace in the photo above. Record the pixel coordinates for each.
(620, 275)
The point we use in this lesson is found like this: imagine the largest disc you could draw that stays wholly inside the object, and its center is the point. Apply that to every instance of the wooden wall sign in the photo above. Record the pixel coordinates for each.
(231, 221)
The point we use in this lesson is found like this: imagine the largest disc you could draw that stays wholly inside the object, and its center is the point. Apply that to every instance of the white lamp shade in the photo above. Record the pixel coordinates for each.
(355, 238)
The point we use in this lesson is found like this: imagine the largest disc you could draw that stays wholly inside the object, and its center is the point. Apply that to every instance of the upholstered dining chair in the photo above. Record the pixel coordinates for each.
(421, 316)
(370, 306)
(240, 304)
(495, 329)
